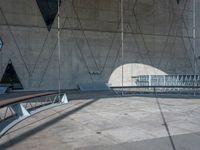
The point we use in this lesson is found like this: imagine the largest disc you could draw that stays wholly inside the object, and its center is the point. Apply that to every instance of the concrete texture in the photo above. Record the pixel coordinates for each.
(101, 121)
(157, 40)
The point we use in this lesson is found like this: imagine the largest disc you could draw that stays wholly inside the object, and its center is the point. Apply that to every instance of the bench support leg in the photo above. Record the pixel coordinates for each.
(64, 99)
(20, 110)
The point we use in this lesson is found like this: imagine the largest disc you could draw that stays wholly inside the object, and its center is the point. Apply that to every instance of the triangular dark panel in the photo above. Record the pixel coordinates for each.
(178, 1)
(10, 77)
(49, 10)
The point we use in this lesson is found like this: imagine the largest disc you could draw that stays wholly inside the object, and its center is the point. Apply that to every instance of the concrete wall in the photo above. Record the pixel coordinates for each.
(157, 40)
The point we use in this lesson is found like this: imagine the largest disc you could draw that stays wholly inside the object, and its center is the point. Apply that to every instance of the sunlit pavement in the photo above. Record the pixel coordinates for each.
(105, 122)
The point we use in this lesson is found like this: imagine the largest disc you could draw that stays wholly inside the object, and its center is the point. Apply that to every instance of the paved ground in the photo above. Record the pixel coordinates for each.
(104, 122)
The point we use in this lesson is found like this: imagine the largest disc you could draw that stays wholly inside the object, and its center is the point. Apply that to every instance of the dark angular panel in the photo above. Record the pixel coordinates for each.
(49, 10)
(10, 77)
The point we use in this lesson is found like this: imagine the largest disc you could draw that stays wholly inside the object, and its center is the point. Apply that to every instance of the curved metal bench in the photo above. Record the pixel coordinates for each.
(14, 110)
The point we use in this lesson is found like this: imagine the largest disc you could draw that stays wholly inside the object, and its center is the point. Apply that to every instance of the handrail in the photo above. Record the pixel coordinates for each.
(167, 80)
(15, 100)
(17, 109)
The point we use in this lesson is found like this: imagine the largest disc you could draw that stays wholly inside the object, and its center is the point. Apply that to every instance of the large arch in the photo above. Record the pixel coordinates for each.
(130, 71)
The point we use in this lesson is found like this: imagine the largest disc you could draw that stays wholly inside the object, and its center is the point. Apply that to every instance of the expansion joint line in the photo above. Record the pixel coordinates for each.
(164, 120)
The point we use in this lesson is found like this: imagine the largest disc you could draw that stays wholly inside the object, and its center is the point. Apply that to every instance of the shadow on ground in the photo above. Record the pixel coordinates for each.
(43, 126)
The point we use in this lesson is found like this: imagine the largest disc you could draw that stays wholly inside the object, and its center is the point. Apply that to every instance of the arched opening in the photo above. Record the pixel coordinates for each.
(130, 71)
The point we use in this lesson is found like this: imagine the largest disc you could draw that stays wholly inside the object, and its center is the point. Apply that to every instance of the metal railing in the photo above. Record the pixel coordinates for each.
(17, 109)
(160, 90)
(167, 80)
(163, 84)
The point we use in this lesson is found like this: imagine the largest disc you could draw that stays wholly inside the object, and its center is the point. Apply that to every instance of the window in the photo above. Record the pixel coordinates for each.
(49, 10)
(10, 77)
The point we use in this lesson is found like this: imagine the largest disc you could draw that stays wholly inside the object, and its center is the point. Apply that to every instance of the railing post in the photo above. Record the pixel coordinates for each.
(149, 80)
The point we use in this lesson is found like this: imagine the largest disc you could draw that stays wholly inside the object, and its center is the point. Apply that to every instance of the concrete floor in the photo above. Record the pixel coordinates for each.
(107, 122)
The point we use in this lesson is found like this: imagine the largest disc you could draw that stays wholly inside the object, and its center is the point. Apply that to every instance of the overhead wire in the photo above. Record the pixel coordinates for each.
(132, 30)
(88, 43)
(141, 34)
(143, 38)
(40, 53)
(176, 36)
(172, 46)
(110, 48)
(137, 24)
(194, 33)
(52, 52)
(177, 27)
(122, 44)
(59, 51)
(119, 48)
(186, 50)
(15, 41)
(140, 30)
(167, 40)
(80, 49)
(165, 43)
(189, 39)
(184, 44)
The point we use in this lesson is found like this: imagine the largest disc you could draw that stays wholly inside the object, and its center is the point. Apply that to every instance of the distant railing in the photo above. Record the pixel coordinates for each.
(162, 84)
(158, 90)
(167, 80)
(14, 110)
